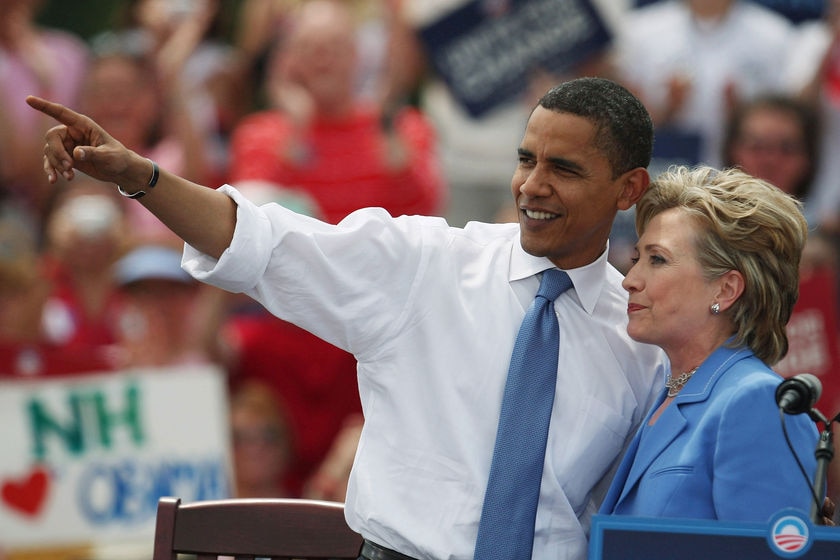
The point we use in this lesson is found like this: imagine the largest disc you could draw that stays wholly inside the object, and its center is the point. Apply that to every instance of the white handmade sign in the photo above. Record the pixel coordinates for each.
(84, 459)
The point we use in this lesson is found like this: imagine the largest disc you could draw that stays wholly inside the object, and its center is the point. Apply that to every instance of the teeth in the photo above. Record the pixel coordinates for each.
(539, 215)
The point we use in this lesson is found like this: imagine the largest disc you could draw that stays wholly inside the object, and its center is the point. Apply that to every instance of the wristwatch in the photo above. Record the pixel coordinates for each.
(152, 182)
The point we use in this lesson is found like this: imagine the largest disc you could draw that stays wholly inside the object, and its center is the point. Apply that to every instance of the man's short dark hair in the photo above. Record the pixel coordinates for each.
(623, 128)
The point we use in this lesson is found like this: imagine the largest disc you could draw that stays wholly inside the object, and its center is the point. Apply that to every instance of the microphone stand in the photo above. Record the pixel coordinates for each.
(824, 454)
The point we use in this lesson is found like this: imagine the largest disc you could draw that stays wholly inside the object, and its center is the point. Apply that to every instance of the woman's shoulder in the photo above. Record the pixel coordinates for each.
(749, 378)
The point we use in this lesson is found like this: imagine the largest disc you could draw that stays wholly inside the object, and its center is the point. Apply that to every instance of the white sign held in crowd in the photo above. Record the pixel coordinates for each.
(86, 458)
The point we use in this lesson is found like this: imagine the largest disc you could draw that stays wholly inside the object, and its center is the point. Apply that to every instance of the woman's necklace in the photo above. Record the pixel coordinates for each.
(674, 384)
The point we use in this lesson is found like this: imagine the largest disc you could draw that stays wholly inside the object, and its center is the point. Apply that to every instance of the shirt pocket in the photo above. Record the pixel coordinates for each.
(584, 446)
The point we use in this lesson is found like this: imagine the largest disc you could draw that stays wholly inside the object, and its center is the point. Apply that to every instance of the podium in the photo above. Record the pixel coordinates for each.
(788, 534)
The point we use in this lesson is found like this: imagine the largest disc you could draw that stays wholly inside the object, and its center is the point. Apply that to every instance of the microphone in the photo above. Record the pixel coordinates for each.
(799, 393)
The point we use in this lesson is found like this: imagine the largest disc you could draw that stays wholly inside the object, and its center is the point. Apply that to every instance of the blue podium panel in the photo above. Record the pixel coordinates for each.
(788, 534)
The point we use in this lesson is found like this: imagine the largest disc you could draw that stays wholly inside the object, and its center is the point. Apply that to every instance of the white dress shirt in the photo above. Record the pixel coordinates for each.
(432, 313)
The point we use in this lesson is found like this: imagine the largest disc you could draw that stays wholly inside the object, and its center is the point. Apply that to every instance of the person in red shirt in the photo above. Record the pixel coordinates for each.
(26, 349)
(84, 234)
(319, 137)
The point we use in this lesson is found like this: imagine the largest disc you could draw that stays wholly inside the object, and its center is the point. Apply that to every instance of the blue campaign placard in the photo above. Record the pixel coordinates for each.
(788, 534)
(487, 57)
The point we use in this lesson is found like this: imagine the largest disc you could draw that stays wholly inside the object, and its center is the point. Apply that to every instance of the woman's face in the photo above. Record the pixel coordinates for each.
(669, 296)
(260, 449)
(119, 97)
(771, 146)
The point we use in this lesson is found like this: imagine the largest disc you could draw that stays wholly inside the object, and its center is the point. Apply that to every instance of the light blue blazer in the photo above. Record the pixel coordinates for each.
(718, 451)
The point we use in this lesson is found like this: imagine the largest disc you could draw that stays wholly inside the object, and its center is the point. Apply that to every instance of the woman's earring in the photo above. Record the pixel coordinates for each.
(715, 308)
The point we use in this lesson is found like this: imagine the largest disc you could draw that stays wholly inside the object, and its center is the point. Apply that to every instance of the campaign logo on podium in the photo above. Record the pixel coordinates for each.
(789, 534)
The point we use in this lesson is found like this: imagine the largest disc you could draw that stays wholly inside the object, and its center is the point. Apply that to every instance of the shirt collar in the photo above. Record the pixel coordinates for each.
(588, 280)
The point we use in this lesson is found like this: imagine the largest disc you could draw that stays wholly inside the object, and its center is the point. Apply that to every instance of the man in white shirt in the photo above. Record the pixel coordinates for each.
(431, 312)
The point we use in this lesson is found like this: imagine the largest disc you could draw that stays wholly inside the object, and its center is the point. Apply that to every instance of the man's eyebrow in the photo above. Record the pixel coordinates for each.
(566, 164)
(556, 161)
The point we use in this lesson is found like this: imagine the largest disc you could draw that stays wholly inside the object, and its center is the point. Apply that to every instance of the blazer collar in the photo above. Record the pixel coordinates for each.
(703, 381)
(672, 421)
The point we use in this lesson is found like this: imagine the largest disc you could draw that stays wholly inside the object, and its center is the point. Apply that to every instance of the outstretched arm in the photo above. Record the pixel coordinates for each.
(203, 217)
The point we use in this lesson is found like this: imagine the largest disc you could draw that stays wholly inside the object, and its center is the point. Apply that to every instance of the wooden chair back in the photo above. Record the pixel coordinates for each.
(253, 528)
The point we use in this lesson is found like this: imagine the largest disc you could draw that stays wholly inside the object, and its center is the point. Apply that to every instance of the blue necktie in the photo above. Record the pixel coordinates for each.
(506, 528)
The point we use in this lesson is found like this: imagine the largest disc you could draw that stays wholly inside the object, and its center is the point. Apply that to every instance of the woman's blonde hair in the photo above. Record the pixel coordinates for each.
(745, 224)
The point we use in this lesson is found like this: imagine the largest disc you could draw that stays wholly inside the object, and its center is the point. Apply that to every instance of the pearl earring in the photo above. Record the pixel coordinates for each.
(715, 308)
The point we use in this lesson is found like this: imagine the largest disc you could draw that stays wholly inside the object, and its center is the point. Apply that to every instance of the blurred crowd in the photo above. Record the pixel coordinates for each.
(327, 106)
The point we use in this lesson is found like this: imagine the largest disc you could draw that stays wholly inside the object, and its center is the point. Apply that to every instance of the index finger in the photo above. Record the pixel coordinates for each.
(55, 110)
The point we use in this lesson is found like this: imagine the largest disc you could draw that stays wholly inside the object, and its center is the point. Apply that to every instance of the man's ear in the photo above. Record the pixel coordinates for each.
(634, 183)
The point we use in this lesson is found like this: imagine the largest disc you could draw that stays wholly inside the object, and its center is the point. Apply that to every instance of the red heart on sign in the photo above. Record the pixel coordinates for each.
(27, 494)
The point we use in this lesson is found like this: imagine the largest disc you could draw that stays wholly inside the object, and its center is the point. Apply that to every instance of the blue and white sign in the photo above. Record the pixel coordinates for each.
(488, 56)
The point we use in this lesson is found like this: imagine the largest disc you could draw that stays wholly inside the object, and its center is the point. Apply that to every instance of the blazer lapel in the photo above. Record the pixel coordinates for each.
(619, 484)
(672, 421)
(657, 437)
